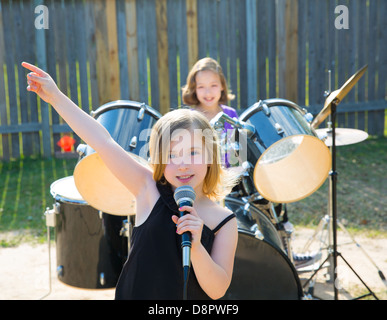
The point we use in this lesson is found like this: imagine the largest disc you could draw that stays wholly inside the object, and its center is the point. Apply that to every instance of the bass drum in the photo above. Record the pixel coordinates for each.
(90, 251)
(129, 124)
(262, 271)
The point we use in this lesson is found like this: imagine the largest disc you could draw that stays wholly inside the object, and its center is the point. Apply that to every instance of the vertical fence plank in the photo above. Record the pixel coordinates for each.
(182, 42)
(107, 51)
(114, 70)
(353, 52)
(362, 52)
(81, 44)
(142, 50)
(262, 48)
(162, 48)
(233, 33)
(376, 119)
(291, 68)
(51, 66)
(173, 28)
(192, 31)
(102, 52)
(223, 36)
(302, 36)
(9, 35)
(151, 38)
(91, 54)
(132, 50)
(251, 39)
(272, 50)
(202, 28)
(3, 106)
(122, 49)
(41, 58)
(21, 55)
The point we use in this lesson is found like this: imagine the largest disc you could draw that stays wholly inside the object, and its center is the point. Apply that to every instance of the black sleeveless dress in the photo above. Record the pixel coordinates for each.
(154, 269)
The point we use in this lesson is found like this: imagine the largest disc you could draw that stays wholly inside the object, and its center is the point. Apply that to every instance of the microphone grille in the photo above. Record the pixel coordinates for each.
(186, 193)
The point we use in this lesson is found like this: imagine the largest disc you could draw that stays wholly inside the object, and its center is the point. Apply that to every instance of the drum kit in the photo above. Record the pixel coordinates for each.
(285, 159)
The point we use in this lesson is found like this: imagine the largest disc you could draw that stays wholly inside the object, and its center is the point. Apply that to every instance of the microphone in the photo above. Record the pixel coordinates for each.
(221, 118)
(185, 196)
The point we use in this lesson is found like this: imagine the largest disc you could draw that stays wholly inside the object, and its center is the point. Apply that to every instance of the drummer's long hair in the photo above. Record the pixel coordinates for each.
(189, 89)
(218, 181)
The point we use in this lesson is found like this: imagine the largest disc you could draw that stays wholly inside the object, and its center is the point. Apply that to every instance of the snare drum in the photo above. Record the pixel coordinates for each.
(129, 123)
(90, 251)
(286, 161)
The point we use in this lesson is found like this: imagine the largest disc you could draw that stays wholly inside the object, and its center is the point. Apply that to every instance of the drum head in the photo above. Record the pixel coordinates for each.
(64, 190)
(262, 272)
(292, 168)
(129, 123)
(101, 189)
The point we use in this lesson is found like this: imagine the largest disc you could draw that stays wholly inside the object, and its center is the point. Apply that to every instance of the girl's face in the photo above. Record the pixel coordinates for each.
(208, 88)
(187, 160)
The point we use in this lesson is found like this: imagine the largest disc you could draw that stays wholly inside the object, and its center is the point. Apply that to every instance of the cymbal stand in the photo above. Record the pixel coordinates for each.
(332, 252)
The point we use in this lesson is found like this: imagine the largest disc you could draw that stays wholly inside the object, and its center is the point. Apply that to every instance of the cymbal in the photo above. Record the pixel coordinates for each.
(337, 95)
(344, 136)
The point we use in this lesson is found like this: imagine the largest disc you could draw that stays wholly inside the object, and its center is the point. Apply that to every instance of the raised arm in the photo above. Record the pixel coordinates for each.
(122, 165)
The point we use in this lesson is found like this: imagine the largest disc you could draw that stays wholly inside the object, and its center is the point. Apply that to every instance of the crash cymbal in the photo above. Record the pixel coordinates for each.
(101, 189)
(337, 96)
(344, 136)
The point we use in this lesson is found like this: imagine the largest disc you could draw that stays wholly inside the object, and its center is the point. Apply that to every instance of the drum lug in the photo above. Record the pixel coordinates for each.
(50, 215)
(81, 149)
(133, 143)
(141, 112)
(257, 233)
(125, 228)
(102, 279)
(279, 128)
(60, 271)
(246, 208)
(308, 117)
(265, 109)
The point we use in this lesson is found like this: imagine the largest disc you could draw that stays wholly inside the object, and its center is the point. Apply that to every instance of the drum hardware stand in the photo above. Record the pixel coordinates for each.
(50, 222)
(126, 230)
(332, 251)
(325, 224)
(285, 235)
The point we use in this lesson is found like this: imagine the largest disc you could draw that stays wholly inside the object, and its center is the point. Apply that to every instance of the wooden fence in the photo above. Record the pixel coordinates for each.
(142, 50)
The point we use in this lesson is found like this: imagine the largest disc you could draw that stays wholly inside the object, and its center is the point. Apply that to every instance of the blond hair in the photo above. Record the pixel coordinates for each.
(189, 90)
(218, 182)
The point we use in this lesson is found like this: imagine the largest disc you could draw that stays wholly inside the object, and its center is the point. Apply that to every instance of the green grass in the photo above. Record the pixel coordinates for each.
(25, 194)
(362, 188)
